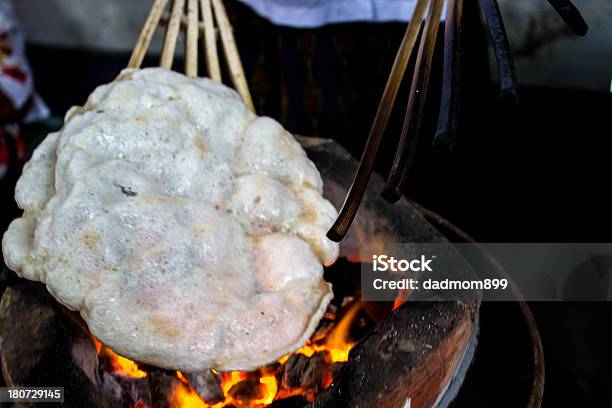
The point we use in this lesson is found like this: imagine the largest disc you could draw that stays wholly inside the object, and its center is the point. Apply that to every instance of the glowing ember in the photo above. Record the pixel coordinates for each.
(337, 343)
(270, 389)
(121, 365)
(401, 298)
(185, 397)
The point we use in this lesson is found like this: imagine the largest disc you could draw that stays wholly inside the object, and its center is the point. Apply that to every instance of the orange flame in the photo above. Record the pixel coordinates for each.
(270, 389)
(121, 365)
(402, 297)
(337, 344)
(185, 397)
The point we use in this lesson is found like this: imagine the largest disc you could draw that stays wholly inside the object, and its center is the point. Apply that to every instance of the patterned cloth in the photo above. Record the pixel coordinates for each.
(17, 86)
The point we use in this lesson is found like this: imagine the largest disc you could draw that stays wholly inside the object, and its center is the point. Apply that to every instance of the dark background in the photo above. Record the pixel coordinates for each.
(538, 173)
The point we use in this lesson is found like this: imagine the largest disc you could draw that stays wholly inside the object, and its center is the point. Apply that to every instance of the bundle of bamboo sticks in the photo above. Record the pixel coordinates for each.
(201, 21)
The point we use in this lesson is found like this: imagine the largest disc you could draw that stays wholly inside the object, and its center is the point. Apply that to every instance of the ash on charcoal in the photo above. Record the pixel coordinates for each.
(305, 372)
(207, 385)
(131, 392)
(162, 383)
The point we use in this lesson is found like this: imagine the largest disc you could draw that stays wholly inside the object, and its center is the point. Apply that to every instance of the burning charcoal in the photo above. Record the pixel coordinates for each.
(291, 402)
(336, 370)
(361, 326)
(208, 386)
(323, 329)
(110, 385)
(162, 384)
(138, 392)
(305, 372)
(131, 392)
(247, 390)
(105, 364)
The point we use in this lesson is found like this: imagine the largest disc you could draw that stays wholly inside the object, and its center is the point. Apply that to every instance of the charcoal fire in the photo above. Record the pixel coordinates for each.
(303, 374)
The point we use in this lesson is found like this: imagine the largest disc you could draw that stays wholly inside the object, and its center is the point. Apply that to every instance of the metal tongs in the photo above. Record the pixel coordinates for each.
(200, 19)
(425, 22)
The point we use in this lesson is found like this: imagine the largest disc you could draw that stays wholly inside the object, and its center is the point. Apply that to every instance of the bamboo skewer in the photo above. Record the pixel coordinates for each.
(416, 106)
(444, 139)
(172, 33)
(570, 15)
(165, 18)
(209, 41)
(178, 20)
(191, 52)
(231, 53)
(508, 84)
(366, 166)
(144, 40)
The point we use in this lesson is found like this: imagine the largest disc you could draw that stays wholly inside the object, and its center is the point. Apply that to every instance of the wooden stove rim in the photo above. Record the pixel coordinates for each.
(539, 372)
